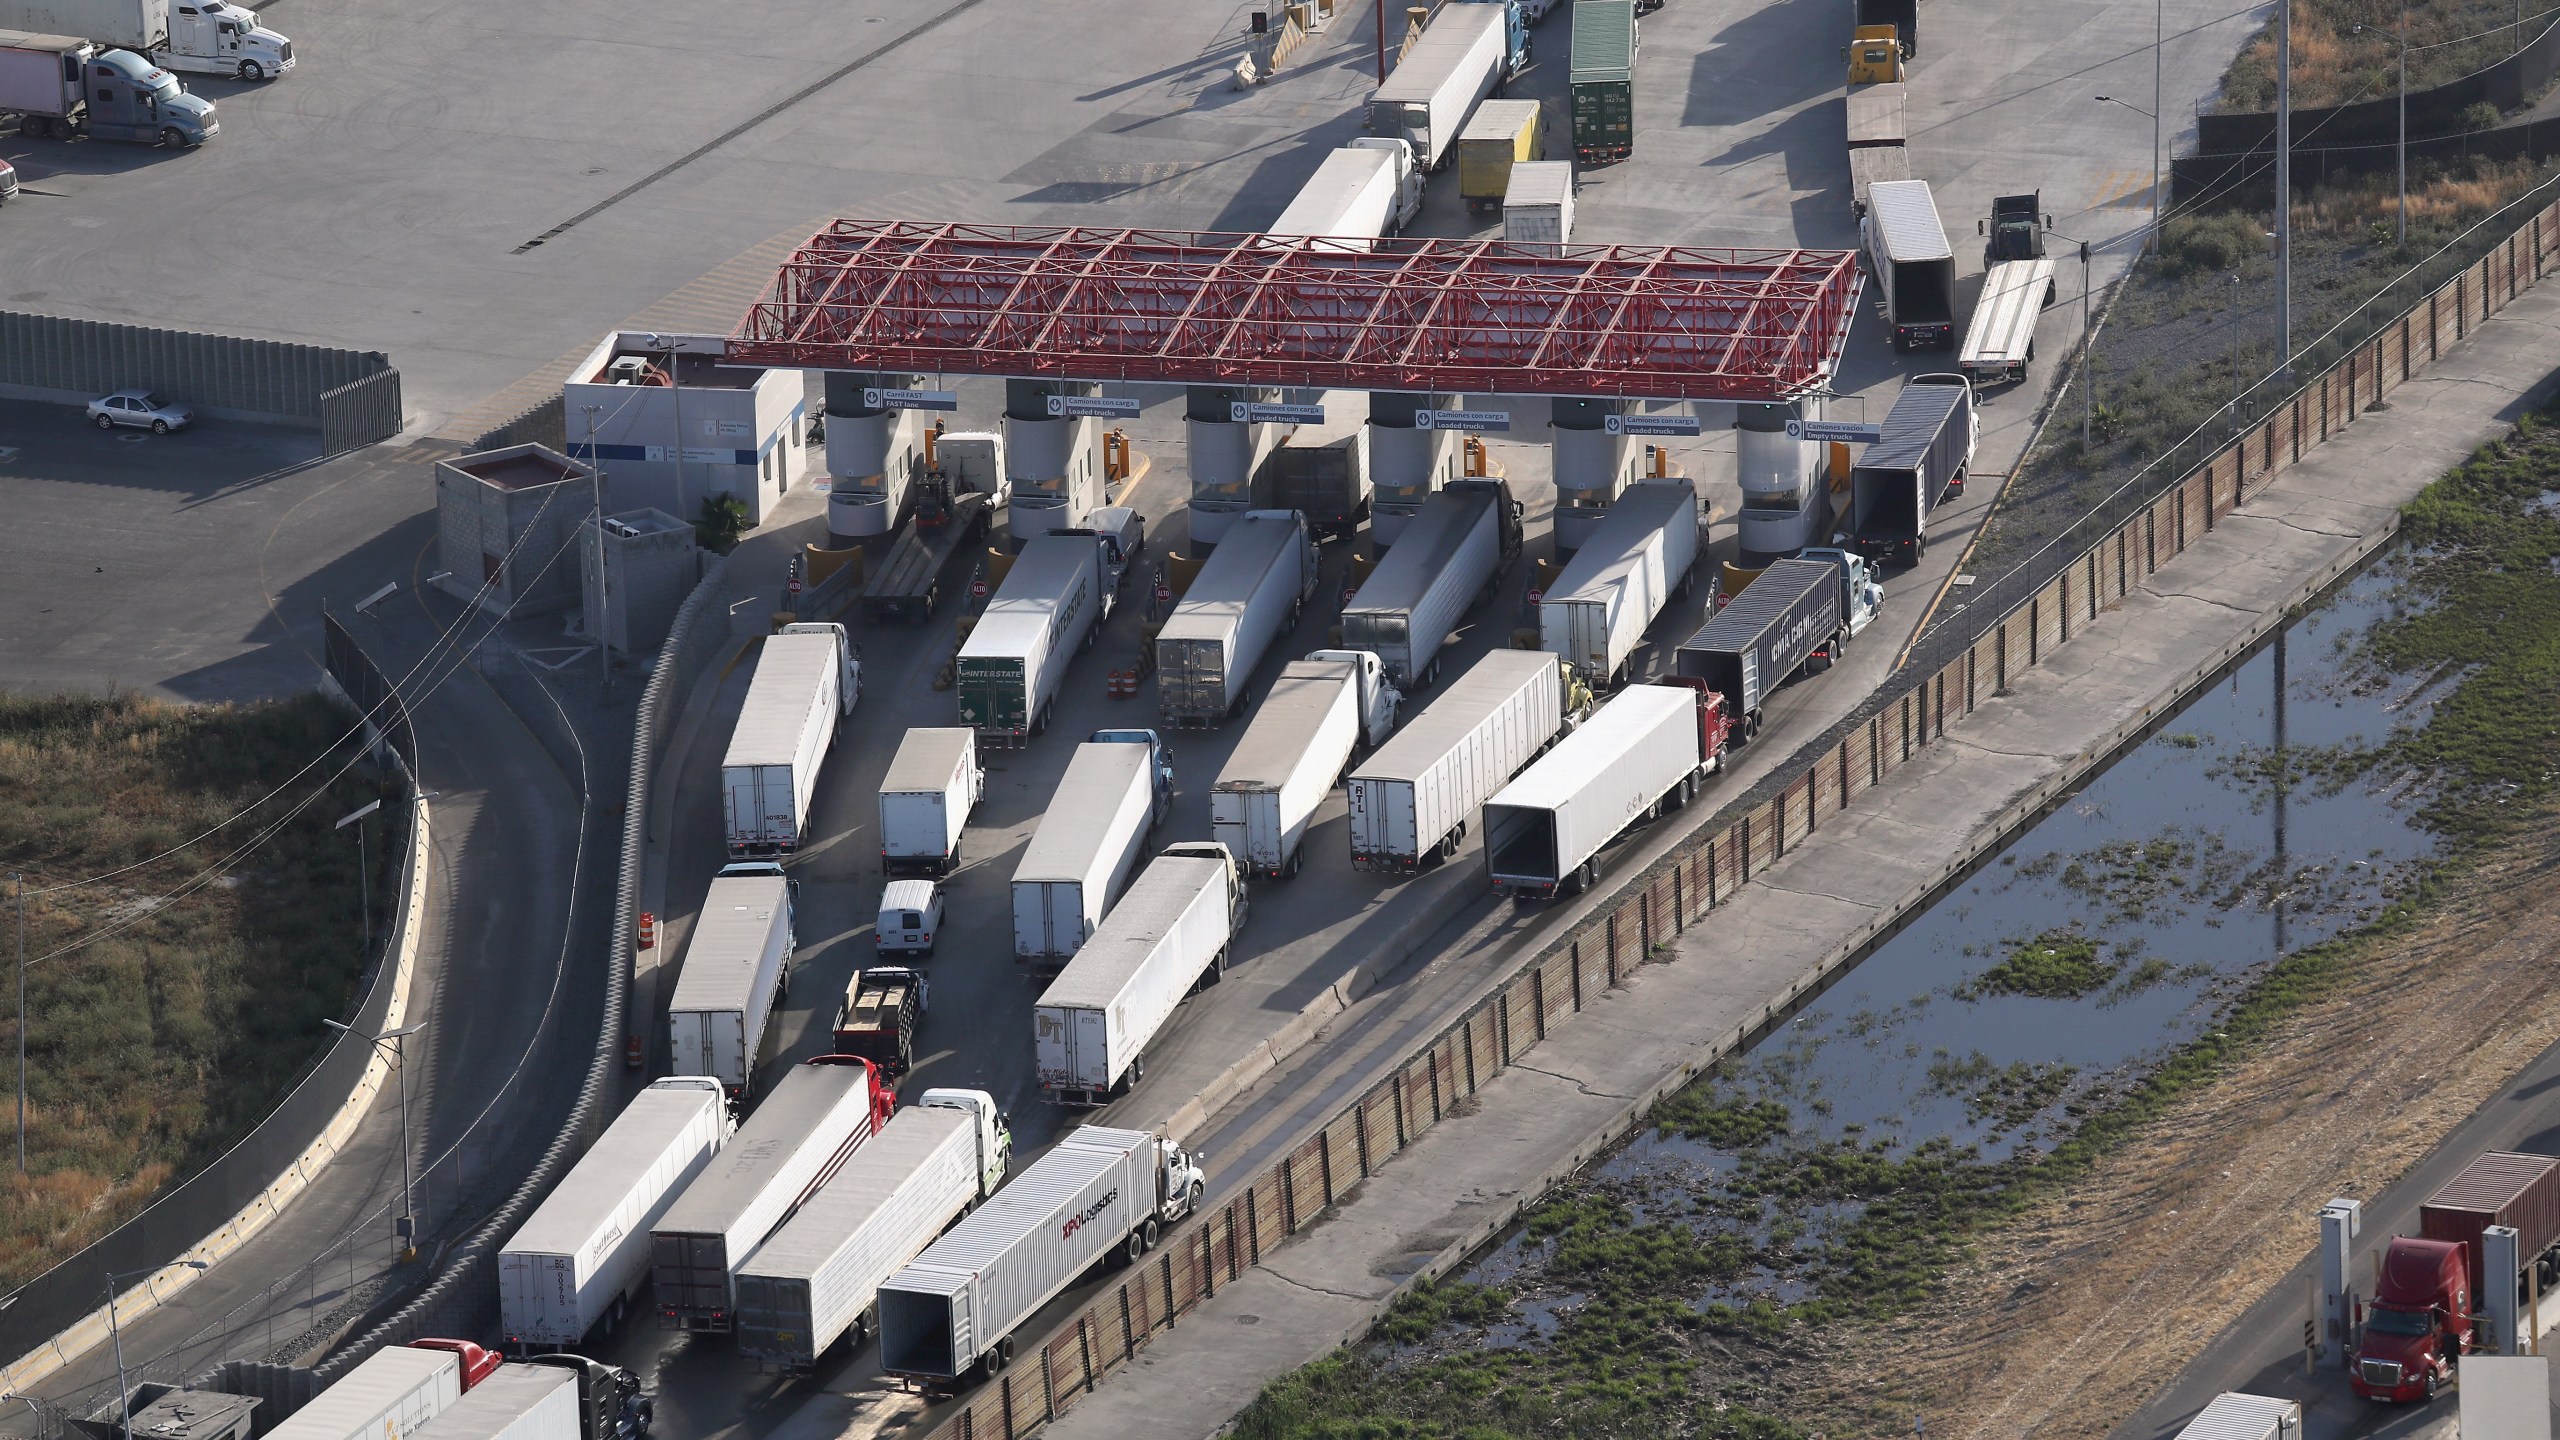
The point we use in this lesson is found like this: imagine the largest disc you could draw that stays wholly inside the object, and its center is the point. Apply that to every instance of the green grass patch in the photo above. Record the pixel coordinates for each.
(2056, 965)
(160, 1044)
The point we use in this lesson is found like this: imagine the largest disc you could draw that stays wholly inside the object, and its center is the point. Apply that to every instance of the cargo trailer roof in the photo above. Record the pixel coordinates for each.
(357, 1399)
(787, 673)
(2489, 1183)
(1431, 539)
(1461, 705)
(1760, 603)
(1908, 216)
(1285, 721)
(1318, 207)
(868, 1181)
(1538, 182)
(1631, 716)
(1027, 1200)
(33, 40)
(1019, 613)
(1605, 558)
(806, 1095)
(2234, 1416)
(1231, 575)
(1098, 777)
(1911, 425)
(1435, 57)
(927, 758)
(499, 1403)
(721, 957)
(1499, 120)
(1128, 934)
(636, 1139)
(1604, 40)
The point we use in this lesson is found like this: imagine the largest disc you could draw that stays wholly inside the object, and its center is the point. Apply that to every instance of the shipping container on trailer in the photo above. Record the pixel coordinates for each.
(951, 1314)
(1009, 671)
(1246, 596)
(580, 1260)
(516, 1402)
(1593, 617)
(1167, 938)
(805, 683)
(934, 781)
(1636, 756)
(1764, 635)
(1502, 134)
(1913, 265)
(815, 1280)
(2502, 1187)
(1448, 560)
(391, 1393)
(1302, 736)
(1927, 445)
(819, 1114)
(1090, 841)
(1411, 801)
(1426, 99)
(1327, 482)
(1601, 82)
(737, 963)
(2235, 1416)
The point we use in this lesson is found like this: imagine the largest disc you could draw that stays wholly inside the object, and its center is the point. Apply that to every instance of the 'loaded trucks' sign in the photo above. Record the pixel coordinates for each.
(1253, 412)
(1475, 420)
(1082, 405)
(1651, 424)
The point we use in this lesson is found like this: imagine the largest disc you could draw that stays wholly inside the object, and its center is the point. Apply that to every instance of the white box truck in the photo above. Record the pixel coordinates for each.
(1247, 596)
(581, 1259)
(948, 1318)
(934, 781)
(1447, 560)
(1594, 616)
(1411, 801)
(817, 1279)
(1088, 845)
(806, 682)
(737, 967)
(394, 1391)
(1642, 753)
(1347, 204)
(1165, 940)
(1320, 712)
(516, 1402)
(1048, 608)
(820, 1113)
(1538, 208)
(202, 37)
(1427, 98)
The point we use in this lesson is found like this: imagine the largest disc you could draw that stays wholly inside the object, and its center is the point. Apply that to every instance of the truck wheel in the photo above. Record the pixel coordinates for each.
(170, 139)
(1153, 1232)
(1134, 1249)
(252, 71)
(1297, 858)
(1000, 1359)
(1191, 1205)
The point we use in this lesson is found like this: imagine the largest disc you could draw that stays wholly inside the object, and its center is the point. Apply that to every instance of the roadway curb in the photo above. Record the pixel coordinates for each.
(157, 1288)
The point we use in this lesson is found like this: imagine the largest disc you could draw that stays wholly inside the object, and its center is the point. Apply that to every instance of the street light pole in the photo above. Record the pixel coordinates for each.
(2159, 22)
(2088, 342)
(2284, 185)
(604, 568)
(115, 1331)
(18, 883)
(408, 1224)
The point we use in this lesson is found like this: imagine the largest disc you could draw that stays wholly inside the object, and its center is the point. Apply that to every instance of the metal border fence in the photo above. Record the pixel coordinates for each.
(1781, 814)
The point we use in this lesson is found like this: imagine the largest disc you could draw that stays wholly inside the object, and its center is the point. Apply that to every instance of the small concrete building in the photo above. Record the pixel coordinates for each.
(745, 429)
(636, 568)
(505, 519)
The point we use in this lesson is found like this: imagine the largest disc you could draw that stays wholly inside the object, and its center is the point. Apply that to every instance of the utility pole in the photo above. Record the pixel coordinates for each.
(19, 884)
(2284, 185)
(2088, 342)
(2159, 21)
(604, 566)
(2403, 230)
(1382, 42)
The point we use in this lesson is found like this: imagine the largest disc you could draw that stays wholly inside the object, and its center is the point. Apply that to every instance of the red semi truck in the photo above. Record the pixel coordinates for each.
(2430, 1288)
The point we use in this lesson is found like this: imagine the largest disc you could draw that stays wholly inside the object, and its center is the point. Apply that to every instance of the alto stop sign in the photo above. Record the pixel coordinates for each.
(1537, 596)
(977, 589)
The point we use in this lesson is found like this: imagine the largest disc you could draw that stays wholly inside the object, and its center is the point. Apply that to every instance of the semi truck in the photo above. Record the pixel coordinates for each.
(578, 1263)
(1927, 445)
(203, 37)
(737, 967)
(948, 1317)
(2431, 1290)
(1539, 208)
(1517, 47)
(817, 1279)
(1411, 801)
(819, 1115)
(393, 1391)
(934, 781)
(1245, 597)
(1594, 616)
(2017, 285)
(1165, 940)
(1502, 133)
(883, 1007)
(1426, 100)
(1320, 712)
(1901, 16)
(1789, 619)
(1601, 80)
(1089, 843)
(1010, 668)
(807, 680)
(516, 1402)
(1449, 560)
(1644, 753)
(611, 1404)
(1913, 266)
(1347, 204)
(1328, 483)
(62, 87)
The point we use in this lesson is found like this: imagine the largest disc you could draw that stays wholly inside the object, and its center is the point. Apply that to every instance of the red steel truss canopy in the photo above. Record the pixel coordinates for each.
(1454, 316)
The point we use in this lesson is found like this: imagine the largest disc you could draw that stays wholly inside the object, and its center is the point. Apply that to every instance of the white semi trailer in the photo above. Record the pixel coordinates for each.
(1089, 843)
(737, 966)
(1426, 99)
(1411, 801)
(1448, 560)
(1167, 938)
(934, 781)
(807, 680)
(1319, 713)
(1050, 606)
(1595, 614)
(1245, 598)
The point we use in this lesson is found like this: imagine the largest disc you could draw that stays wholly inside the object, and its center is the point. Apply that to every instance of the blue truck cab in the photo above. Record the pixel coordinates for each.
(1516, 18)
(112, 94)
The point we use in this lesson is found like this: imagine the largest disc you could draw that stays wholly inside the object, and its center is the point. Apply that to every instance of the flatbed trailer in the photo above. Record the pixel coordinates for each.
(910, 580)
(2001, 338)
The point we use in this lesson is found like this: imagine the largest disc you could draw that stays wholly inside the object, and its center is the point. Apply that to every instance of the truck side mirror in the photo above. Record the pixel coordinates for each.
(1981, 227)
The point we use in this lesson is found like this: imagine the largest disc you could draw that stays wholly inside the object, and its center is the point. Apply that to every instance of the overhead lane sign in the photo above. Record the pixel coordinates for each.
(1651, 424)
(877, 399)
(1834, 430)
(1247, 412)
(1476, 421)
(1077, 406)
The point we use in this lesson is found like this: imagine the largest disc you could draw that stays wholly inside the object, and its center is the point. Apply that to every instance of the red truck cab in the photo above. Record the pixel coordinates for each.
(884, 1099)
(2419, 1324)
(477, 1361)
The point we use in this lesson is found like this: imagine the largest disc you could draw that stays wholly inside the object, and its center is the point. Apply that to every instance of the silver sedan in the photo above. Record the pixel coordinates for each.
(141, 409)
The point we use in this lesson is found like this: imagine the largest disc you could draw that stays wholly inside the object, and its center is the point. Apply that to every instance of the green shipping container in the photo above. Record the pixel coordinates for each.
(1602, 79)
(993, 694)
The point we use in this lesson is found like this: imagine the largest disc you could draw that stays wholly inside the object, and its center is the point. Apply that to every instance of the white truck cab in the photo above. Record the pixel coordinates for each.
(1408, 201)
(1379, 698)
(995, 1131)
(1861, 593)
(973, 462)
(213, 37)
(1180, 1182)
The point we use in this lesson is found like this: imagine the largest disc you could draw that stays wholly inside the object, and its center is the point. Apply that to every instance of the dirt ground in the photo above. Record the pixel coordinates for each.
(2075, 1316)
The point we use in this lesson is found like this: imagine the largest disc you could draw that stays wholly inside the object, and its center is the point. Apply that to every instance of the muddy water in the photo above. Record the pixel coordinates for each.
(2176, 876)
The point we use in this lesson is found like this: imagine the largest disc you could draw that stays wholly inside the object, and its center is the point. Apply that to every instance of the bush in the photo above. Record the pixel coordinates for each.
(2481, 116)
(724, 519)
(2209, 244)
